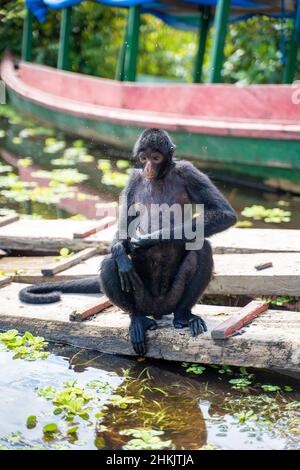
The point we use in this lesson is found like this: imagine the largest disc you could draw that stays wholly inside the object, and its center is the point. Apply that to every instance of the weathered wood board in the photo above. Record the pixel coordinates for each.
(233, 274)
(256, 240)
(68, 262)
(25, 268)
(95, 306)
(94, 228)
(240, 319)
(28, 269)
(271, 341)
(5, 280)
(8, 219)
(45, 235)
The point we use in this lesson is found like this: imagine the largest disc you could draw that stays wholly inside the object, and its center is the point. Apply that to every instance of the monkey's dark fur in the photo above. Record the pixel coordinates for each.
(146, 277)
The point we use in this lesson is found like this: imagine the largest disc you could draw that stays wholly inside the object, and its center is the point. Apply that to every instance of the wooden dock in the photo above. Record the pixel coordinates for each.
(271, 341)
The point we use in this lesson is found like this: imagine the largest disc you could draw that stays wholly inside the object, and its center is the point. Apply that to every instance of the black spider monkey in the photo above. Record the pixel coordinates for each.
(148, 275)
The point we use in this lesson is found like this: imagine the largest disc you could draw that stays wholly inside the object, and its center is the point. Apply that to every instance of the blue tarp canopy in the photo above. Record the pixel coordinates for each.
(181, 14)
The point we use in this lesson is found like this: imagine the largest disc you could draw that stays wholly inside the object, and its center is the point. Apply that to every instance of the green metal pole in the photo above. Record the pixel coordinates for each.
(63, 51)
(134, 19)
(120, 70)
(220, 25)
(291, 63)
(203, 31)
(27, 36)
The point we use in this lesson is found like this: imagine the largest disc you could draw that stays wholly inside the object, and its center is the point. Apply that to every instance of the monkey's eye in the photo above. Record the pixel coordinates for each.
(157, 157)
(142, 157)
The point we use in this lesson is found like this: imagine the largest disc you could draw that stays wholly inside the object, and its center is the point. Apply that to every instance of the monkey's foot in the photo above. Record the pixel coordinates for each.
(137, 329)
(186, 319)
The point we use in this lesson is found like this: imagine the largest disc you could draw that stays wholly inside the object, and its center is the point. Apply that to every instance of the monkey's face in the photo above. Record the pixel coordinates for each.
(152, 162)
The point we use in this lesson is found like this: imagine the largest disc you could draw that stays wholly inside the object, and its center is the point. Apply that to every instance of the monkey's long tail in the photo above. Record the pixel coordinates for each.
(51, 291)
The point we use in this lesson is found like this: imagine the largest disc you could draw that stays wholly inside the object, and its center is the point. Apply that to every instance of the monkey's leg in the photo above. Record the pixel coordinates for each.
(139, 323)
(197, 284)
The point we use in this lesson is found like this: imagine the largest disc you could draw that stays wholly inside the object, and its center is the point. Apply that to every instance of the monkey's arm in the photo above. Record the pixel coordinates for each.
(121, 247)
(218, 213)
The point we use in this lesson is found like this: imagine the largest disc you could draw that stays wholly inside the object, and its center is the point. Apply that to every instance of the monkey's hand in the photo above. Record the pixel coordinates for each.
(129, 278)
(145, 241)
(137, 330)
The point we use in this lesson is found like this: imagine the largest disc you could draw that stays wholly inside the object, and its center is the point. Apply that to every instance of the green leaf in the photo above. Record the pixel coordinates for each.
(50, 428)
(31, 422)
(64, 252)
(72, 430)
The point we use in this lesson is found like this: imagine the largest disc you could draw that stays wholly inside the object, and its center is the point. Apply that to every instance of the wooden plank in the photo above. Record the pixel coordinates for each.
(236, 274)
(28, 269)
(243, 317)
(8, 219)
(261, 266)
(95, 227)
(68, 262)
(45, 235)
(233, 274)
(88, 268)
(256, 240)
(271, 341)
(25, 268)
(4, 280)
(87, 311)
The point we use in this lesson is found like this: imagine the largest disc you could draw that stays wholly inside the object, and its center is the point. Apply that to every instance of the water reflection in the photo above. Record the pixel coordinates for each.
(193, 412)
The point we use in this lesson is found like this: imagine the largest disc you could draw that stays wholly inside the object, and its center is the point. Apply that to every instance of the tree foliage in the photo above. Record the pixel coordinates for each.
(253, 52)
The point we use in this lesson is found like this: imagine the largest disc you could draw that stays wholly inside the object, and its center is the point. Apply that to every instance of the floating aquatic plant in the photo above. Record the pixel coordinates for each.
(72, 401)
(5, 168)
(53, 145)
(123, 164)
(24, 162)
(196, 369)
(31, 422)
(67, 176)
(244, 224)
(146, 439)
(271, 388)
(240, 383)
(115, 178)
(26, 347)
(122, 401)
(279, 300)
(275, 216)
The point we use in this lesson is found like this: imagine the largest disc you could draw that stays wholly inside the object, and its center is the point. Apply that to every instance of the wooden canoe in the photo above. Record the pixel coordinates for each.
(251, 130)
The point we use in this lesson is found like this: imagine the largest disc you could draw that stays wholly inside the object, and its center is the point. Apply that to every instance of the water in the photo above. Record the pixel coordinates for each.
(193, 411)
